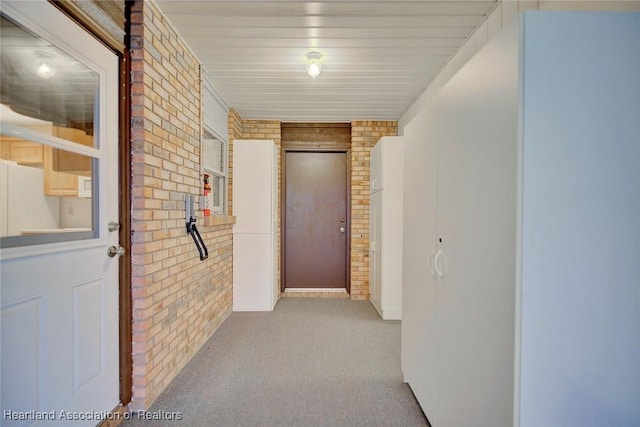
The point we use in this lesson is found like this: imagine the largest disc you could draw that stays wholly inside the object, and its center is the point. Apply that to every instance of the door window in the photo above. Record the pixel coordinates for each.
(49, 139)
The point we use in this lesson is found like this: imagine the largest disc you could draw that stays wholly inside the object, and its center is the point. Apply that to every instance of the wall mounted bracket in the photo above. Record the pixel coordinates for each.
(192, 230)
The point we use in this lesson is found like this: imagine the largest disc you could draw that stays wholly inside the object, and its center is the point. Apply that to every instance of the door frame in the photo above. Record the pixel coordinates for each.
(121, 49)
(124, 182)
(320, 148)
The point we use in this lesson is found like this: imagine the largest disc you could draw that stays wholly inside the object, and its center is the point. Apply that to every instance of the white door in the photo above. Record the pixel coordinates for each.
(419, 346)
(59, 288)
(476, 239)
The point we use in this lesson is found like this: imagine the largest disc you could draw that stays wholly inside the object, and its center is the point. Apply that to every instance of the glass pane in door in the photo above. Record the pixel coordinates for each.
(49, 141)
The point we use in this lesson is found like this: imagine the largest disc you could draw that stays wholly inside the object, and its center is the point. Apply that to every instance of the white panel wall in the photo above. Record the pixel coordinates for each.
(581, 244)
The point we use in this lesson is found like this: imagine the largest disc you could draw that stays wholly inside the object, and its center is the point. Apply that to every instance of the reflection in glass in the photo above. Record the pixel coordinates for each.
(213, 152)
(46, 185)
(39, 197)
(41, 81)
(216, 193)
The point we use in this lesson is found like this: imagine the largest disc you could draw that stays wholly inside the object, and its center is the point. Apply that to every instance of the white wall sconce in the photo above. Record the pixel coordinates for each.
(314, 66)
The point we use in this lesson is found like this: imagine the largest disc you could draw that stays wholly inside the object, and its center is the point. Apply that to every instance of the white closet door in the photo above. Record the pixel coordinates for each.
(477, 225)
(419, 345)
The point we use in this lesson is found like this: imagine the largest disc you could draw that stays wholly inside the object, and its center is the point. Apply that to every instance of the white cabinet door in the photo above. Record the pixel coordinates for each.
(59, 300)
(253, 277)
(375, 242)
(477, 190)
(255, 287)
(253, 175)
(386, 229)
(419, 347)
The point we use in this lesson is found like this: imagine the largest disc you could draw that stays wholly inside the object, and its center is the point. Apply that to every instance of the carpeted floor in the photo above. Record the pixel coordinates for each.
(310, 362)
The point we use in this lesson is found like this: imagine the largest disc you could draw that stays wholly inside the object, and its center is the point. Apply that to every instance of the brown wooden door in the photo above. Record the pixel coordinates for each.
(316, 222)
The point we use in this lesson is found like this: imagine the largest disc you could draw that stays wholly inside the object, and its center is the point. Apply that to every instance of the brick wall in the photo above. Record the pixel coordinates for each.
(364, 135)
(178, 301)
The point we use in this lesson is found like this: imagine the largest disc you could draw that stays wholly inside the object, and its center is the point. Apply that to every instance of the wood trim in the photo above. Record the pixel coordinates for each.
(306, 147)
(318, 135)
(348, 160)
(115, 418)
(75, 12)
(124, 179)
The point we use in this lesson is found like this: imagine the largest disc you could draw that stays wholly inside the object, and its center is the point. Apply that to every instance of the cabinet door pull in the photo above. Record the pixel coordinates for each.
(438, 265)
(430, 263)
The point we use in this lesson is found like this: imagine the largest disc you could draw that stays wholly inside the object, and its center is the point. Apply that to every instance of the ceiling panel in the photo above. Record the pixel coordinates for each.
(295, 7)
(378, 56)
(324, 21)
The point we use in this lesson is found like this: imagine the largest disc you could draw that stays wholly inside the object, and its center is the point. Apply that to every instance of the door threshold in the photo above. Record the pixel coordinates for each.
(315, 293)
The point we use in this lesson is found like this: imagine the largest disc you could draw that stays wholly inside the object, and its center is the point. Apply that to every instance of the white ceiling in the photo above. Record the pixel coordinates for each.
(378, 56)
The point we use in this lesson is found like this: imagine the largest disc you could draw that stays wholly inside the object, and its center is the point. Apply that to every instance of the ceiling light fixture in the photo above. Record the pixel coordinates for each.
(314, 66)
(44, 65)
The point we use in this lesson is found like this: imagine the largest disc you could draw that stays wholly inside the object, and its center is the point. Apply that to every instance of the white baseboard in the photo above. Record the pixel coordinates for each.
(392, 313)
(388, 313)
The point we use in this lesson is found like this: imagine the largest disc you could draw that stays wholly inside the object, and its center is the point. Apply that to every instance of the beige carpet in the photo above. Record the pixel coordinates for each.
(310, 362)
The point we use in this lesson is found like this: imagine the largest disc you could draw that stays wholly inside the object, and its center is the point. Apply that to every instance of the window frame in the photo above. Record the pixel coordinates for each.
(214, 114)
(222, 174)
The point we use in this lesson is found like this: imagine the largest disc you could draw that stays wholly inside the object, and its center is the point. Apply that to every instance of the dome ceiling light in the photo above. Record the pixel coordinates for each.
(314, 66)
(44, 65)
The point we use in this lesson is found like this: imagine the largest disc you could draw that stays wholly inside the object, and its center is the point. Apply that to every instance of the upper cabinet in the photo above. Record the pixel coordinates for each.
(21, 151)
(64, 161)
(62, 169)
(532, 312)
(381, 154)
